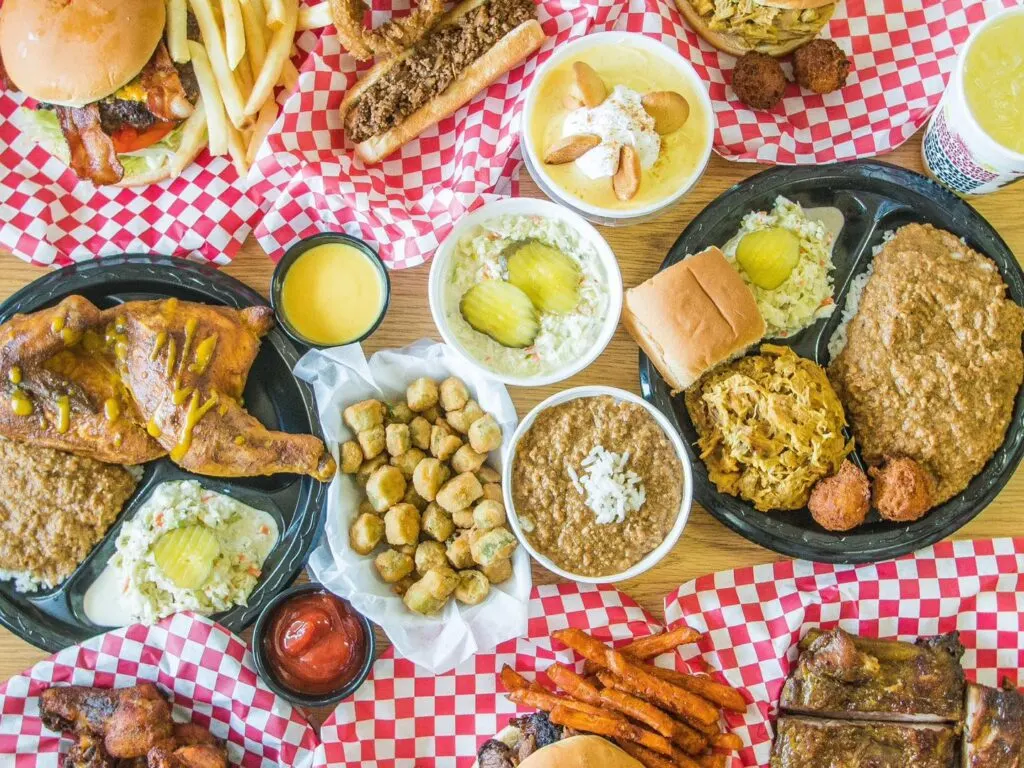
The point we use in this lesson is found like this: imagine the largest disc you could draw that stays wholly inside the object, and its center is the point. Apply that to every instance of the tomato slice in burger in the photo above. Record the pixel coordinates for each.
(129, 139)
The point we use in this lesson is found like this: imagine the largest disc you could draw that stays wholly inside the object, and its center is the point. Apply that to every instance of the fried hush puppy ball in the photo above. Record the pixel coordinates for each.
(821, 66)
(903, 490)
(841, 502)
(758, 80)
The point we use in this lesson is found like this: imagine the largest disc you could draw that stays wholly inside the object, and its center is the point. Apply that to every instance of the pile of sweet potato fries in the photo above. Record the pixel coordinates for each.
(663, 718)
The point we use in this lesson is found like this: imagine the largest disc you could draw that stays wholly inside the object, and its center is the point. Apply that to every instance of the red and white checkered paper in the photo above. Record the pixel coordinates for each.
(205, 669)
(752, 619)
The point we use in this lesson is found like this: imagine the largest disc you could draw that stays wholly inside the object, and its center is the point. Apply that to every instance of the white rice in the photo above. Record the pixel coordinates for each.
(837, 342)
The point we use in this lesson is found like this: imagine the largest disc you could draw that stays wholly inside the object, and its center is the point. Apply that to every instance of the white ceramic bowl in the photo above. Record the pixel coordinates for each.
(654, 556)
(608, 216)
(440, 269)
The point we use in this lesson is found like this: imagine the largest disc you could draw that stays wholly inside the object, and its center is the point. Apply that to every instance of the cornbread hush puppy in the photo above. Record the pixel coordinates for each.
(459, 492)
(364, 415)
(473, 587)
(385, 487)
(402, 525)
(351, 457)
(454, 394)
(372, 441)
(393, 566)
(485, 434)
(422, 394)
(366, 533)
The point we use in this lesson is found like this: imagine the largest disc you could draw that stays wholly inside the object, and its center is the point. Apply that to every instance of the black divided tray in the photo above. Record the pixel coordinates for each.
(55, 618)
(874, 198)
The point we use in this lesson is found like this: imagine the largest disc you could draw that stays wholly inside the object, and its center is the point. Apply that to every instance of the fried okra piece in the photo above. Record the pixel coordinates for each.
(454, 394)
(463, 418)
(364, 415)
(421, 394)
(366, 533)
(385, 488)
(419, 433)
(460, 552)
(442, 443)
(437, 523)
(430, 594)
(366, 508)
(402, 525)
(397, 439)
(428, 477)
(485, 434)
(402, 586)
(351, 457)
(369, 467)
(488, 474)
(467, 460)
(432, 414)
(372, 441)
(399, 413)
(492, 491)
(499, 571)
(430, 554)
(459, 492)
(488, 514)
(473, 587)
(408, 461)
(411, 497)
(393, 566)
(492, 545)
(463, 518)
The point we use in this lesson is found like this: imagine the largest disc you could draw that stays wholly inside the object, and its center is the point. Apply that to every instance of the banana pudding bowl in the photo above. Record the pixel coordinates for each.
(617, 126)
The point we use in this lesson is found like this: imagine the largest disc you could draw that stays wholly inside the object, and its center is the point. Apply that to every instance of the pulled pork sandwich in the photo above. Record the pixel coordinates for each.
(112, 103)
(469, 48)
(774, 27)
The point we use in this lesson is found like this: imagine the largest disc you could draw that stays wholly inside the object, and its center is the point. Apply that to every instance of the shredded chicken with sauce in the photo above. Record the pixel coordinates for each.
(762, 23)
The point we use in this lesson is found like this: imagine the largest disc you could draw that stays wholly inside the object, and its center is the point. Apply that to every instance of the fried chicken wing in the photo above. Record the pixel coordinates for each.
(78, 708)
(141, 722)
(186, 365)
(193, 756)
(60, 389)
(88, 752)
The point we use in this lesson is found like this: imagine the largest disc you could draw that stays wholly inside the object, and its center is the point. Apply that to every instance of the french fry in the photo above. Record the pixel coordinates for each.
(315, 17)
(655, 645)
(676, 699)
(703, 730)
(213, 43)
(177, 30)
(573, 684)
(610, 727)
(512, 680)
(243, 76)
(713, 761)
(548, 702)
(705, 687)
(691, 741)
(276, 12)
(646, 757)
(586, 646)
(727, 741)
(277, 54)
(254, 23)
(639, 710)
(236, 148)
(289, 76)
(194, 126)
(216, 120)
(234, 31)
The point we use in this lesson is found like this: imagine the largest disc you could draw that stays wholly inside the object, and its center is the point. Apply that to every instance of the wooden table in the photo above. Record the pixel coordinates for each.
(706, 544)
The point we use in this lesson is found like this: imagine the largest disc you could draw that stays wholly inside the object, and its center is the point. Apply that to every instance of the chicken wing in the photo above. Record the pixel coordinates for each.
(60, 388)
(141, 722)
(186, 365)
(78, 708)
(194, 756)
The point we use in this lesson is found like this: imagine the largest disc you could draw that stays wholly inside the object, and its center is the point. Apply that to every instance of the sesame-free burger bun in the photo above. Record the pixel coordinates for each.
(737, 45)
(580, 752)
(74, 53)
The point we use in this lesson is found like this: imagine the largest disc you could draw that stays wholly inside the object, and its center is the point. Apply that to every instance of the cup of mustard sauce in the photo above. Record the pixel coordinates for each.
(329, 290)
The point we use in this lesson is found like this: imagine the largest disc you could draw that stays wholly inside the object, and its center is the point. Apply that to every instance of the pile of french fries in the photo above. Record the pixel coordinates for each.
(663, 718)
(244, 55)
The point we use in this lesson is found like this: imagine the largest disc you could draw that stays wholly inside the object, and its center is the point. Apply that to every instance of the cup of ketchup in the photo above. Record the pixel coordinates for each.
(311, 647)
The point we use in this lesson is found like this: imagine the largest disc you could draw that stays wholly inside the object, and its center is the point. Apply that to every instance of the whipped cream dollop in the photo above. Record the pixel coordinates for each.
(619, 119)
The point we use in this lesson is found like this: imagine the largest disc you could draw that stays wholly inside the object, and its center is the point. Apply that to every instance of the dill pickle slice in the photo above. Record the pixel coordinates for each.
(500, 310)
(768, 256)
(186, 555)
(549, 277)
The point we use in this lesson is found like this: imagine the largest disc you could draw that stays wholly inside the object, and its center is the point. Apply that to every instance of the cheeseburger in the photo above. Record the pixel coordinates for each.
(111, 102)
(774, 27)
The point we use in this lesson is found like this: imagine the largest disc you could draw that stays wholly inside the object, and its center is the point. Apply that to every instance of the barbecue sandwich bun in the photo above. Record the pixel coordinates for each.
(501, 58)
(693, 316)
(580, 752)
(74, 53)
(737, 44)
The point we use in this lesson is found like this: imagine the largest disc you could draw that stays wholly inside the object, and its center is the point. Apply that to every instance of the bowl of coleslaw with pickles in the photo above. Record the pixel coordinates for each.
(526, 290)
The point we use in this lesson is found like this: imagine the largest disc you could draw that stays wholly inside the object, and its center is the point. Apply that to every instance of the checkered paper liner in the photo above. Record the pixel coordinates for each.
(205, 669)
(753, 617)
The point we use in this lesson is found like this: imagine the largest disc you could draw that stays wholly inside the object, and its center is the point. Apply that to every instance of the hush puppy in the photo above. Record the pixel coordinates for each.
(821, 66)
(903, 490)
(758, 80)
(841, 502)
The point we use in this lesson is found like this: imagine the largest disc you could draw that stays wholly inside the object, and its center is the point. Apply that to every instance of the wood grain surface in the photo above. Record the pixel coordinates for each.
(706, 545)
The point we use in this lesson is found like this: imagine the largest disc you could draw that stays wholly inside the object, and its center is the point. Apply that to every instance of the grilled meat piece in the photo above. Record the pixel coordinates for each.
(495, 754)
(78, 708)
(538, 726)
(535, 731)
(802, 742)
(434, 62)
(993, 729)
(840, 675)
(115, 114)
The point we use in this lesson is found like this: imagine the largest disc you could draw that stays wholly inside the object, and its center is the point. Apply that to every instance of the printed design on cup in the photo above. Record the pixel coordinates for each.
(950, 160)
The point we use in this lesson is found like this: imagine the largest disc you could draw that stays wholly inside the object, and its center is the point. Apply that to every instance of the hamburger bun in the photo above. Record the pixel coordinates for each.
(580, 752)
(737, 44)
(74, 53)
(692, 316)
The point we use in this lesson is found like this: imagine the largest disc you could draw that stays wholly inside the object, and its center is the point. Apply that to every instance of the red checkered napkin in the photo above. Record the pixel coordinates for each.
(902, 53)
(754, 617)
(206, 670)
(308, 179)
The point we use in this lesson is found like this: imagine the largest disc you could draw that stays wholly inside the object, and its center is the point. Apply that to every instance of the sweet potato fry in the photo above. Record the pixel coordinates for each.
(676, 699)
(586, 646)
(691, 741)
(705, 730)
(573, 684)
(727, 741)
(512, 680)
(610, 727)
(655, 645)
(713, 761)
(650, 759)
(705, 687)
(548, 701)
(639, 710)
